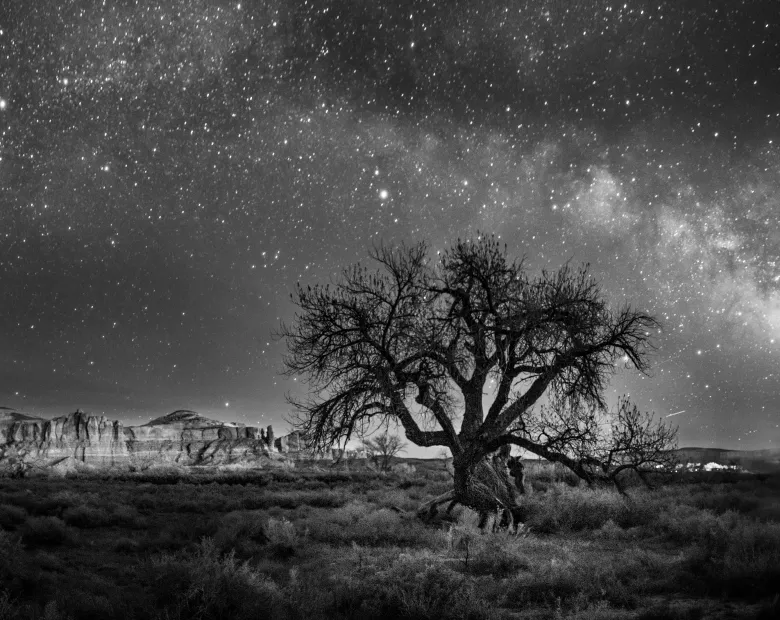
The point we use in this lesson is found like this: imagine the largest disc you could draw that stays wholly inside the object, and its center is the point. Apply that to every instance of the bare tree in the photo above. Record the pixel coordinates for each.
(383, 448)
(421, 342)
(636, 442)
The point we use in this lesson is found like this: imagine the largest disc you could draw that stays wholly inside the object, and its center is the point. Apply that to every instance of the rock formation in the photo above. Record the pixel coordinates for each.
(290, 443)
(85, 438)
(182, 438)
(186, 438)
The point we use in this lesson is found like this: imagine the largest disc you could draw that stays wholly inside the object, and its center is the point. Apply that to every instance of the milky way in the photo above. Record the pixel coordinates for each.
(169, 170)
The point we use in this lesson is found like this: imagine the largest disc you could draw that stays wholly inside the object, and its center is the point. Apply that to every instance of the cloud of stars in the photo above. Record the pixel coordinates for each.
(168, 171)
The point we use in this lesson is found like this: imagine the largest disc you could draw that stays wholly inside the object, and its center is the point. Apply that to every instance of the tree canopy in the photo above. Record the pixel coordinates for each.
(421, 341)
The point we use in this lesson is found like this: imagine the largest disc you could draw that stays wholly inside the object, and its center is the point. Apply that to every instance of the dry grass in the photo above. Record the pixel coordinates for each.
(333, 544)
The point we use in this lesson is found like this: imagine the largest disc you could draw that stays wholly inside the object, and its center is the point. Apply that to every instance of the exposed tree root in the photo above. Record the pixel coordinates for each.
(428, 510)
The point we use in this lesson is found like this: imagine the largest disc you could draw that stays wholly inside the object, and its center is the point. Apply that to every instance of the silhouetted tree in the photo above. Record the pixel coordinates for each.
(383, 448)
(421, 342)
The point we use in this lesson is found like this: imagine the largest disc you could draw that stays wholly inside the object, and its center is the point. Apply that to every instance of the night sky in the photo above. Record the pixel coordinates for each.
(169, 171)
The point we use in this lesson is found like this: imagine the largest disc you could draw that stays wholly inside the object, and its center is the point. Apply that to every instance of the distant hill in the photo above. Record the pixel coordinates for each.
(752, 460)
(757, 461)
(186, 418)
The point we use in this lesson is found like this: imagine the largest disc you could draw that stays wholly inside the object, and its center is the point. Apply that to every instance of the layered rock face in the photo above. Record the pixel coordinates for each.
(82, 437)
(290, 443)
(181, 438)
(184, 437)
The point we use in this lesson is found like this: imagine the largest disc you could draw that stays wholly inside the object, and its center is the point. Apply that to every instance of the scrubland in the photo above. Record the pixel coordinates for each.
(320, 542)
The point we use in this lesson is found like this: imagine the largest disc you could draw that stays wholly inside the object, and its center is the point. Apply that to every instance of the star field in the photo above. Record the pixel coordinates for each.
(169, 170)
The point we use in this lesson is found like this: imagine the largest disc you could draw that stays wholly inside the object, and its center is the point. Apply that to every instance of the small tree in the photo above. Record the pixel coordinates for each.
(383, 448)
(422, 342)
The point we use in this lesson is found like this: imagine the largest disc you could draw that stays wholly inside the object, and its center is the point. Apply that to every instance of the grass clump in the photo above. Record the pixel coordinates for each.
(45, 531)
(240, 532)
(367, 524)
(206, 585)
(86, 517)
(282, 537)
(498, 555)
(11, 516)
(573, 509)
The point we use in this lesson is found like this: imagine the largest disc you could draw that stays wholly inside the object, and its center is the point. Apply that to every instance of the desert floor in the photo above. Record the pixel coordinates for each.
(323, 542)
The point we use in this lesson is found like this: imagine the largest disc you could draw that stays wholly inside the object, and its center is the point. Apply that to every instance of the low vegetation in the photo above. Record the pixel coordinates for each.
(322, 543)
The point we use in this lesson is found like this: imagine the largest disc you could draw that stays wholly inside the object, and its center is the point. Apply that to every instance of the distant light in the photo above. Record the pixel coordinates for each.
(3, 104)
(384, 194)
(227, 404)
(65, 81)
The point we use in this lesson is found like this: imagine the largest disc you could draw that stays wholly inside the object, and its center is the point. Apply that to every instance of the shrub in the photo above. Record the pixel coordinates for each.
(365, 525)
(82, 604)
(71, 497)
(9, 546)
(125, 545)
(85, 517)
(412, 585)
(147, 501)
(543, 474)
(750, 563)
(565, 509)
(393, 498)
(282, 537)
(293, 499)
(45, 531)
(576, 581)
(191, 530)
(419, 589)
(238, 531)
(611, 531)
(722, 500)
(281, 531)
(127, 516)
(205, 585)
(11, 516)
(497, 554)
(18, 574)
(8, 608)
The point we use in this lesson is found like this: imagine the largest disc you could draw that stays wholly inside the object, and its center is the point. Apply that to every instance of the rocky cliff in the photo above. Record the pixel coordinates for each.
(186, 438)
(85, 438)
(181, 438)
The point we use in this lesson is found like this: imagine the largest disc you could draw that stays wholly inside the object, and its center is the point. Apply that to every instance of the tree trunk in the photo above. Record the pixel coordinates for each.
(486, 487)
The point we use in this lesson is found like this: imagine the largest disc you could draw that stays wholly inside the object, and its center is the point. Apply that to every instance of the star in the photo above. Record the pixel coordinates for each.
(172, 172)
